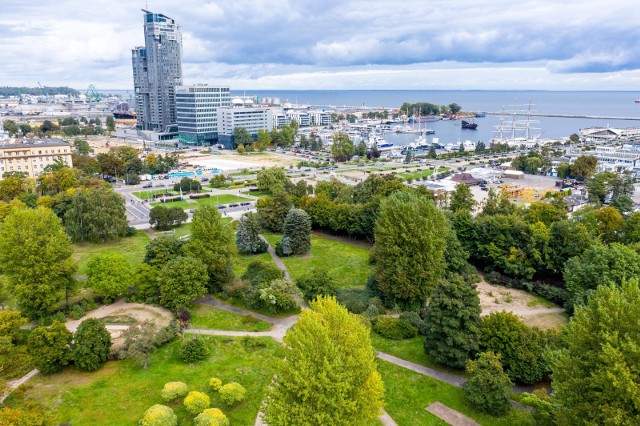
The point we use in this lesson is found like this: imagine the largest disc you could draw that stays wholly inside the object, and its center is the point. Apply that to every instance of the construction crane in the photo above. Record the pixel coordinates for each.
(44, 93)
(92, 94)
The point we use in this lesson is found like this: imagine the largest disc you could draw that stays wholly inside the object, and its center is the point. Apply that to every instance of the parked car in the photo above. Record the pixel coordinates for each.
(147, 185)
(233, 205)
(246, 203)
(204, 180)
(222, 207)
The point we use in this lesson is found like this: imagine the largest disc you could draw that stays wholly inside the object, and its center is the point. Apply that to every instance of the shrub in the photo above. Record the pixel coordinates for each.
(260, 274)
(232, 393)
(11, 321)
(193, 350)
(49, 347)
(488, 387)
(211, 417)
(281, 295)
(317, 283)
(251, 343)
(159, 415)
(355, 300)
(196, 402)
(76, 312)
(414, 319)
(215, 383)
(394, 328)
(59, 316)
(174, 390)
(91, 345)
(236, 288)
(183, 315)
(371, 313)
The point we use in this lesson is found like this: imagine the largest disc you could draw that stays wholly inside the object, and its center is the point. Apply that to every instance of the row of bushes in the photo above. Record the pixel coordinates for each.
(196, 196)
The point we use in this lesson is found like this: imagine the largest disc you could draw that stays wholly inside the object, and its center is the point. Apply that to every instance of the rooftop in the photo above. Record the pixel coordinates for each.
(34, 142)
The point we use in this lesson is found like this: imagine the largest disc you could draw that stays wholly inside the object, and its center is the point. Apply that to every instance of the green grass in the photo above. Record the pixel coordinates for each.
(120, 391)
(258, 193)
(203, 316)
(214, 199)
(144, 195)
(133, 248)
(410, 350)
(241, 262)
(408, 394)
(185, 228)
(419, 175)
(348, 264)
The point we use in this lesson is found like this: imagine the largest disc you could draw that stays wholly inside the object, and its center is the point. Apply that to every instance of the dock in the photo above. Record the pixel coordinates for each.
(542, 114)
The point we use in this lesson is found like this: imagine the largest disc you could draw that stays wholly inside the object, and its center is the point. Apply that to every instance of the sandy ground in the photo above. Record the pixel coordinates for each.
(494, 298)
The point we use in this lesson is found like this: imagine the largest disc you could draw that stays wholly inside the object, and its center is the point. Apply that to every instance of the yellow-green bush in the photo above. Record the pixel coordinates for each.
(232, 392)
(215, 383)
(211, 417)
(173, 390)
(159, 415)
(197, 402)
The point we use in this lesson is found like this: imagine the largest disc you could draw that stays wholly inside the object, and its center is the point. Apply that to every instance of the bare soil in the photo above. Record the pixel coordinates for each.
(534, 311)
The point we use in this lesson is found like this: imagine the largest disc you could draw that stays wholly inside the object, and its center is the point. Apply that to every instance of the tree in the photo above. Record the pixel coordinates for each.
(328, 362)
(10, 323)
(35, 256)
(462, 199)
(480, 148)
(296, 232)
(273, 210)
(211, 241)
(187, 184)
(595, 376)
(241, 136)
(91, 344)
(488, 387)
(574, 138)
(454, 108)
(563, 169)
(163, 249)
(272, 179)
(111, 124)
(410, 240)
(584, 167)
(520, 347)
(248, 238)
(453, 322)
(317, 283)
(159, 415)
(342, 148)
(139, 342)
(110, 275)
(599, 265)
(55, 181)
(361, 149)
(95, 215)
(14, 184)
(49, 347)
(163, 218)
(182, 279)
(264, 140)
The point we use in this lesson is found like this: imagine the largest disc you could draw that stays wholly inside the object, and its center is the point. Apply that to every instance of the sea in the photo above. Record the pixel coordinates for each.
(593, 103)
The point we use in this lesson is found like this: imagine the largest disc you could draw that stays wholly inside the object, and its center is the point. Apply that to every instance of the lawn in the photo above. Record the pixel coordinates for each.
(258, 193)
(214, 199)
(408, 394)
(410, 350)
(144, 195)
(241, 262)
(419, 175)
(203, 316)
(133, 248)
(185, 229)
(120, 392)
(348, 264)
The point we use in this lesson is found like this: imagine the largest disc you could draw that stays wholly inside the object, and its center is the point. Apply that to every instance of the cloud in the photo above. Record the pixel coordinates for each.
(533, 43)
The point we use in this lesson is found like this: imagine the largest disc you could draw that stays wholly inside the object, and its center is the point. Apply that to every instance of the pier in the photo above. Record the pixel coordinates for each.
(542, 114)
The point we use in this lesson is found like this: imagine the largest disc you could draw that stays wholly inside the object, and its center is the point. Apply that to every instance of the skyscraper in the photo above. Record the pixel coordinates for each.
(157, 70)
(197, 110)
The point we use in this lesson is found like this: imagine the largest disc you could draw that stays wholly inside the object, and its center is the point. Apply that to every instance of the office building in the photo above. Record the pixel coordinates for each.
(197, 112)
(157, 71)
(251, 118)
(31, 156)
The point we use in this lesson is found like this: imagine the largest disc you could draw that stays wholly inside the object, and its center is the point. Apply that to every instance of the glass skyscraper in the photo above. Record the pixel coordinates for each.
(157, 70)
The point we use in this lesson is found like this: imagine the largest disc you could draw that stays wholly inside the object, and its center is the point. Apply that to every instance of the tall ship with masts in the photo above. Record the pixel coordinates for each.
(516, 128)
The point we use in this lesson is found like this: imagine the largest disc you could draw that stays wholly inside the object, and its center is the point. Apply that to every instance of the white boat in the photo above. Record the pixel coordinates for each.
(516, 131)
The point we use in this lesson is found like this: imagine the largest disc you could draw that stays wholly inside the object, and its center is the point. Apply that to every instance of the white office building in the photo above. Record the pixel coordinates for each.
(250, 118)
(197, 112)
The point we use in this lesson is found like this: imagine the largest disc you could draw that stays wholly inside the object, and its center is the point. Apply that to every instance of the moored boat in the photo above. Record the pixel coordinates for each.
(469, 125)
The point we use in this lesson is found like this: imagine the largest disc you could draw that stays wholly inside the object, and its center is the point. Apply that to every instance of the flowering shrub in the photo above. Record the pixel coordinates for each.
(215, 383)
(173, 390)
(232, 393)
(211, 417)
(159, 415)
(196, 402)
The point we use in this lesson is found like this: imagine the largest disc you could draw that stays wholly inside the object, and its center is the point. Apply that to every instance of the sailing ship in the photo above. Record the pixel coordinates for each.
(516, 128)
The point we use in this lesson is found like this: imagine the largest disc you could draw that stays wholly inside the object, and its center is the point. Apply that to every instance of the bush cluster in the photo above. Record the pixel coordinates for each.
(159, 415)
(174, 390)
(211, 417)
(196, 402)
(232, 393)
(394, 328)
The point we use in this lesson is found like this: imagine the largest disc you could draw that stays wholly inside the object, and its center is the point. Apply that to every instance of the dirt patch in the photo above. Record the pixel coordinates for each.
(121, 309)
(533, 310)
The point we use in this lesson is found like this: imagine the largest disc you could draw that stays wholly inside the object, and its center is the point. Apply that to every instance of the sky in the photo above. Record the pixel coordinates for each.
(333, 44)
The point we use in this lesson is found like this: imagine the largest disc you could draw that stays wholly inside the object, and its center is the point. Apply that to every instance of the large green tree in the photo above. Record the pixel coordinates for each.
(410, 240)
(49, 347)
(110, 275)
(96, 215)
(488, 387)
(182, 280)
(273, 210)
(248, 238)
(342, 148)
(521, 348)
(598, 265)
(296, 232)
(584, 167)
(596, 380)
(272, 179)
(91, 344)
(35, 256)
(211, 241)
(462, 199)
(453, 322)
(327, 375)
(163, 249)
